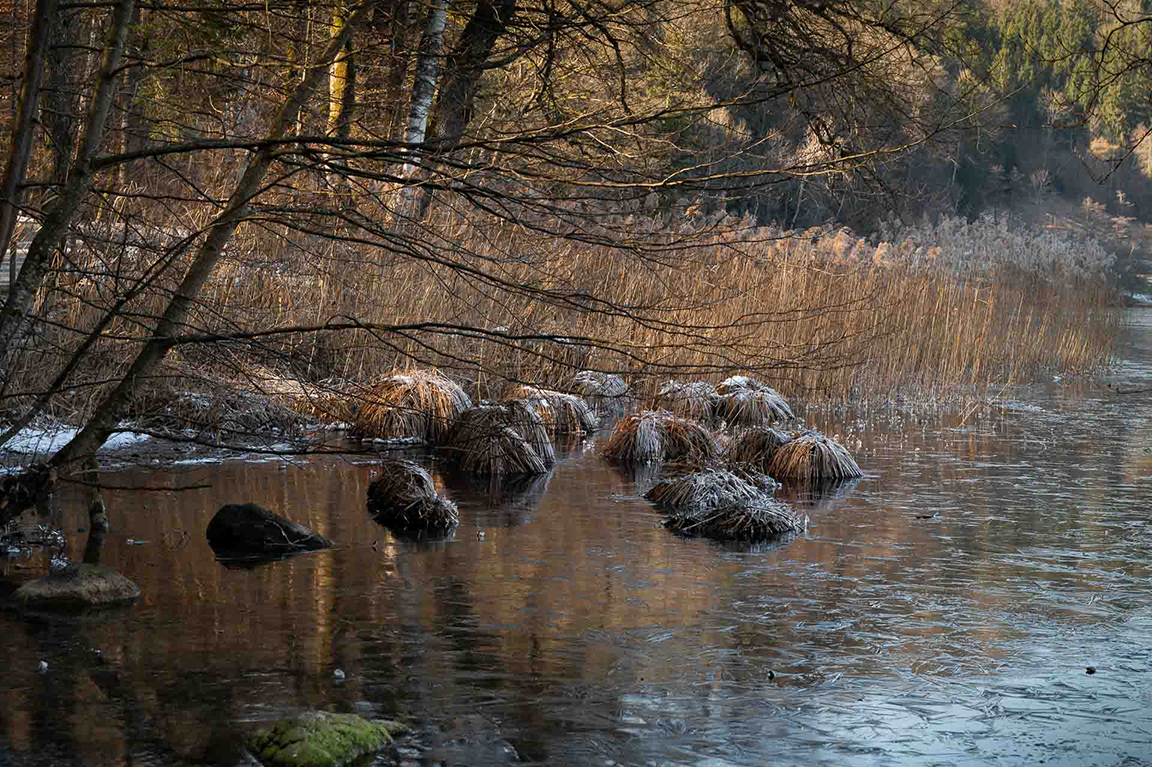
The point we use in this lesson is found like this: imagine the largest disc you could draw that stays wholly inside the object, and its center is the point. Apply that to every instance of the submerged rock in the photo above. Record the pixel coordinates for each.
(249, 529)
(78, 586)
(321, 739)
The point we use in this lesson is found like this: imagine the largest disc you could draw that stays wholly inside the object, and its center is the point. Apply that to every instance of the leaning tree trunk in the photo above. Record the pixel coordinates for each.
(109, 411)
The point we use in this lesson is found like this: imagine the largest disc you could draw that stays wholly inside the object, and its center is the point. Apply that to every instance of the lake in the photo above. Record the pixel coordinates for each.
(943, 610)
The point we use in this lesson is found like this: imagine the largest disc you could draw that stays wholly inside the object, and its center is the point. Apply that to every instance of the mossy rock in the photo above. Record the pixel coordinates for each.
(321, 739)
(78, 586)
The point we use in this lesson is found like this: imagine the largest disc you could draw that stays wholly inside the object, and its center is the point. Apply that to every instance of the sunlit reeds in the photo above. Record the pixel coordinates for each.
(418, 405)
(938, 311)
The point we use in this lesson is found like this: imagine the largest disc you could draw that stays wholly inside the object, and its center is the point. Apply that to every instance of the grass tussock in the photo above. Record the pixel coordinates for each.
(754, 448)
(760, 520)
(694, 400)
(743, 402)
(500, 439)
(605, 392)
(658, 436)
(812, 456)
(417, 405)
(703, 491)
(561, 413)
(404, 499)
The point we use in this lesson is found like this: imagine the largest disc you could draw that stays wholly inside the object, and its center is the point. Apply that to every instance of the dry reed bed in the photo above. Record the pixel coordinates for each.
(812, 457)
(754, 522)
(725, 505)
(831, 317)
(694, 400)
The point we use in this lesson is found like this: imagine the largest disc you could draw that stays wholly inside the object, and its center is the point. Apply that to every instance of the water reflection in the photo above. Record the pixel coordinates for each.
(941, 610)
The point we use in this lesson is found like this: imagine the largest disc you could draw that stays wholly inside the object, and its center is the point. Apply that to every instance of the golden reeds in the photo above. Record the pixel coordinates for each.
(419, 405)
(561, 413)
(812, 456)
(744, 402)
(656, 436)
(500, 439)
(404, 499)
(754, 448)
(695, 400)
(759, 520)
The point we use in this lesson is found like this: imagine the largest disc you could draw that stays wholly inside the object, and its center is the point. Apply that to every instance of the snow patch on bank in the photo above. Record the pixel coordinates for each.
(49, 440)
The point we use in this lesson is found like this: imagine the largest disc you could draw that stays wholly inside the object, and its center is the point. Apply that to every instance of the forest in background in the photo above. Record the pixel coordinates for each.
(843, 197)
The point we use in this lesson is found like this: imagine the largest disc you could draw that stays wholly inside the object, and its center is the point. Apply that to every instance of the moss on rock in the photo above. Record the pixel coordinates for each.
(320, 739)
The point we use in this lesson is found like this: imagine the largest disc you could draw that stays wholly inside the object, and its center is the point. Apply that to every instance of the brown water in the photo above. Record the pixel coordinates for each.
(941, 611)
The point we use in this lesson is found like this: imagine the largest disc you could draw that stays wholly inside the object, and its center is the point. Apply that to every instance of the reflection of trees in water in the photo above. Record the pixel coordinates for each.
(817, 494)
(642, 476)
(503, 501)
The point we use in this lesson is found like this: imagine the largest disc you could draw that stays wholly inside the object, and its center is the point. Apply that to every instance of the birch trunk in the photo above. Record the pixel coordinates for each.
(427, 76)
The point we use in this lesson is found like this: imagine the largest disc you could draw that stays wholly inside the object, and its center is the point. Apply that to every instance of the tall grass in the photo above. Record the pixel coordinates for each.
(818, 315)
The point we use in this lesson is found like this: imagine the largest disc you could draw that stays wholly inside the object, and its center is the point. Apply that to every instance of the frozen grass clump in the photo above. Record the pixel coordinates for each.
(658, 436)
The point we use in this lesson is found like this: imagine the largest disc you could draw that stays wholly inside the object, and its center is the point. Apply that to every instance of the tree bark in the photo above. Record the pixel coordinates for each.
(427, 76)
(23, 129)
(109, 411)
(465, 66)
(14, 316)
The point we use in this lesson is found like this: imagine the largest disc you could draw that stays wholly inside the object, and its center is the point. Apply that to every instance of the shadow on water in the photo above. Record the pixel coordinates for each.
(944, 609)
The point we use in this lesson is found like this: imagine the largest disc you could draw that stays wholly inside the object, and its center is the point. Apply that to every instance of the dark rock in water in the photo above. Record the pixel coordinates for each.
(321, 739)
(249, 529)
(78, 586)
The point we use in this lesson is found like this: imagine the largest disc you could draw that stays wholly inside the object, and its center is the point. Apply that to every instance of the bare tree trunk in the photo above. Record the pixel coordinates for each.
(427, 76)
(14, 316)
(465, 66)
(109, 411)
(23, 129)
(341, 98)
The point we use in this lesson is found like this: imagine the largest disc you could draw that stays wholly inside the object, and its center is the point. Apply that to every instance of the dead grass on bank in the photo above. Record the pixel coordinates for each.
(754, 449)
(754, 522)
(404, 499)
(694, 400)
(606, 393)
(702, 491)
(743, 402)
